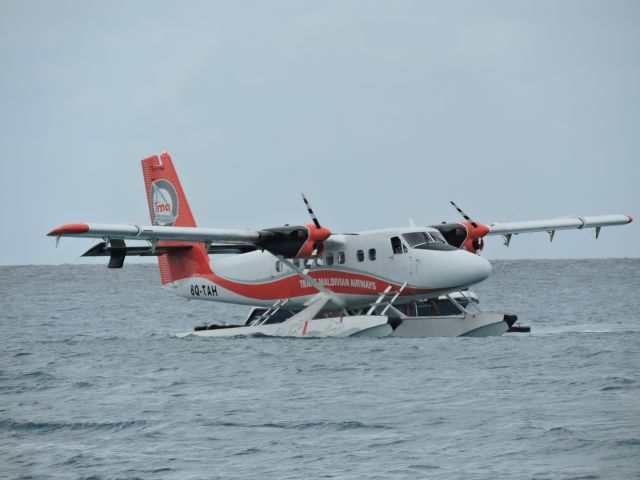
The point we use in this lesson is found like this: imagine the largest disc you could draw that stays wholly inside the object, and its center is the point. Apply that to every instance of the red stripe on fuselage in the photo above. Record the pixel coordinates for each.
(295, 286)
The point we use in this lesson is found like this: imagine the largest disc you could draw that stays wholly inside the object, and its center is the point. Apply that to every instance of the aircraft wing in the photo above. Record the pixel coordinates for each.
(469, 234)
(551, 225)
(297, 241)
(157, 233)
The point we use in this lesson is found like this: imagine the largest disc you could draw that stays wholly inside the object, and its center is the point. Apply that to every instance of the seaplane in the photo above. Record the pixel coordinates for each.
(307, 281)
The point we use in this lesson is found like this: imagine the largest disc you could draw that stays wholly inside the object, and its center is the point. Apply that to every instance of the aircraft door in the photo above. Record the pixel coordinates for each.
(402, 260)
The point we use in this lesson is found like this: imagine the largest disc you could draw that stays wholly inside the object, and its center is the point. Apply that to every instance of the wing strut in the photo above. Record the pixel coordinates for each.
(393, 299)
(387, 291)
(270, 312)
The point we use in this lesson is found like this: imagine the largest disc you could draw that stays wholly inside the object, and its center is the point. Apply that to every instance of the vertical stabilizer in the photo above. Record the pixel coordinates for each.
(168, 207)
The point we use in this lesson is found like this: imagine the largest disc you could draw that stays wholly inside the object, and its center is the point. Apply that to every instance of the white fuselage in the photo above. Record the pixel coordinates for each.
(356, 267)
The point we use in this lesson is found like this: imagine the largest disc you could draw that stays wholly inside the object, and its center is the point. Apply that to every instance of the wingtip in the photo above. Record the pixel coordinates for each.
(69, 229)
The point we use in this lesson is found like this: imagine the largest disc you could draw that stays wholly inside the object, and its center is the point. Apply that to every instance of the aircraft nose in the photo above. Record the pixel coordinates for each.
(478, 268)
(449, 270)
(458, 269)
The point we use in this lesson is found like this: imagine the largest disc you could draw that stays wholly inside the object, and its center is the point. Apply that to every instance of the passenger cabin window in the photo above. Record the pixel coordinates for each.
(396, 245)
(360, 255)
(319, 261)
(341, 257)
(329, 258)
(278, 266)
(372, 254)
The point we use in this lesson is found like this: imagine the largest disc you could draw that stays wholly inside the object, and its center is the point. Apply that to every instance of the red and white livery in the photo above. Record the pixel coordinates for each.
(364, 283)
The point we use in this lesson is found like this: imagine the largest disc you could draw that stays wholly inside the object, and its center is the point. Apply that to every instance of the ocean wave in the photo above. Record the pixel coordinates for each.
(37, 375)
(43, 427)
(618, 383)
(629, 442)
(542, 332)
(320, 424)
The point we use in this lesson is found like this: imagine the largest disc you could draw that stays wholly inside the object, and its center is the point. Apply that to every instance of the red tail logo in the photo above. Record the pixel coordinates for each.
(164, 201)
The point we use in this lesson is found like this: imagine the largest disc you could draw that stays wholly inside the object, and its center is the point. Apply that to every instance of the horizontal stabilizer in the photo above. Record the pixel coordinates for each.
(232, 248)
(103, 249)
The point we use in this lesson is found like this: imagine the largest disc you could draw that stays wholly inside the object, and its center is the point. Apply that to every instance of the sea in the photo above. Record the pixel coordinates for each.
(94, 384)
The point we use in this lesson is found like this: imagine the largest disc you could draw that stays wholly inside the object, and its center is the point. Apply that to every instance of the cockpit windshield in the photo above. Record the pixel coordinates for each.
(437, 236)
(420, 238)
(426, 240)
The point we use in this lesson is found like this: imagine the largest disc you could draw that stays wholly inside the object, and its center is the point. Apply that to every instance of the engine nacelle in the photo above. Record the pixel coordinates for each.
(298, 241)
(464, 235)
(474, 242)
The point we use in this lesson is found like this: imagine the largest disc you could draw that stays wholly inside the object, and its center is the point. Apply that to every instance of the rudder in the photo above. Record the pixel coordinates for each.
(168, 207)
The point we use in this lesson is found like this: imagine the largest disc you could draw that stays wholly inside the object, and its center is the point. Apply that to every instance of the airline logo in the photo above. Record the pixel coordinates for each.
(164, 203)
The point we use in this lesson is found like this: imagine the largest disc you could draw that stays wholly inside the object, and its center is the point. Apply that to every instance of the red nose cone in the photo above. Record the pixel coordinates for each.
(481, 230)
(324, 233)
(69, 229)
(475, 232)
(630, 218)
(318, 234)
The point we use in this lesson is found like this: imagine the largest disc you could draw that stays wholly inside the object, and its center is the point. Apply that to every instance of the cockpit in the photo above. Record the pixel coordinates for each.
(427, 241)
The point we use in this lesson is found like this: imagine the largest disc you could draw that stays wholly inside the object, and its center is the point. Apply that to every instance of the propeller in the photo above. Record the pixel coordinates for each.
(310, 210)
(317, 234)
(466, 217)
(475, 232)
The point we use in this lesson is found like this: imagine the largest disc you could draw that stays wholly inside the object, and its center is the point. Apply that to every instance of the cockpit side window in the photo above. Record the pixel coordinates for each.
(396, 245)
(426, 241)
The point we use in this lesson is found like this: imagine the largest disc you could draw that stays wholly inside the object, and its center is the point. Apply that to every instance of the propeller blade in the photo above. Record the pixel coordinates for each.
(310, 210)
(466, 217)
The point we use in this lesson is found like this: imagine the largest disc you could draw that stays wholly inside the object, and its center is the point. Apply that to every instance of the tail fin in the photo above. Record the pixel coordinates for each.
(168, 206)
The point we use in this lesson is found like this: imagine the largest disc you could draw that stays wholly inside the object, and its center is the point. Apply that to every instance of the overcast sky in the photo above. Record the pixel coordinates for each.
(378, 111)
